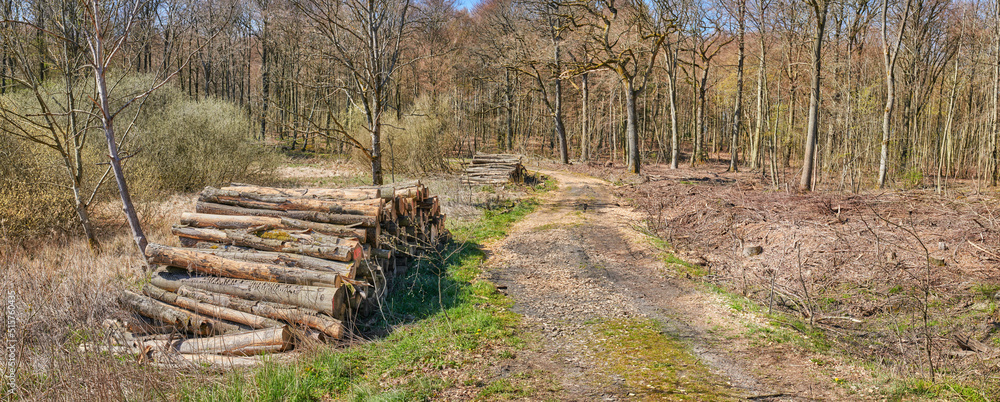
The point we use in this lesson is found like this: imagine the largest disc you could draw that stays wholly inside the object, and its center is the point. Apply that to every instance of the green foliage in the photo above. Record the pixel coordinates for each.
(30, 201)
(186, 144)
(173, 144)
(913, 178)
(419, 141)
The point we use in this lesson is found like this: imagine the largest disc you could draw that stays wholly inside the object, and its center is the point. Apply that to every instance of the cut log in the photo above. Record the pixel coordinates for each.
(314, 245)
(268, 340)
(181, 319)
(347, 269)
(291, 314)
(279, 203)
(223, 313)
(336, 219)
(199, 220)
(219, 266)
(222, 362)
(322, 299)
(344, 194)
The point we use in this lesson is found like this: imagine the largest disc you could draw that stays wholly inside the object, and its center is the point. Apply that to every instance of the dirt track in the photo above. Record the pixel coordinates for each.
(579, 259)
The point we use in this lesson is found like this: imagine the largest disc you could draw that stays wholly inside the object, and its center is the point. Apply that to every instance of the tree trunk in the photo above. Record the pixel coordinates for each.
(199, 220)
(557, 113)
(738, 113)
(889, 57)
(280, 203)
(631, 131)
(585, 127)
(291, 314)
(347, 269)
(699, 141)
(313, 245)
(107, 124)
(805, 184)
(755, 143)
(675, 148)
(268, 340)
(336, 219)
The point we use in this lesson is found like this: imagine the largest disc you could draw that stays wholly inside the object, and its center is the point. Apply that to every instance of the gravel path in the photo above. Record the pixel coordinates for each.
(577, 259)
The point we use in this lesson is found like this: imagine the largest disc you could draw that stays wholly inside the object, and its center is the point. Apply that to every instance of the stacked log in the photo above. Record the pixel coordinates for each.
(260, 263)
(494, 169)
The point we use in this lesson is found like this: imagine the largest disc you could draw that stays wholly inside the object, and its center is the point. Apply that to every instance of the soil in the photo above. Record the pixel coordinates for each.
(581, 258)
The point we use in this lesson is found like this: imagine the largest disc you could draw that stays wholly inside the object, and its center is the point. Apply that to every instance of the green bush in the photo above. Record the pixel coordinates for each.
(421, 139)
(30, 202)
(191, 144)
(175, 145)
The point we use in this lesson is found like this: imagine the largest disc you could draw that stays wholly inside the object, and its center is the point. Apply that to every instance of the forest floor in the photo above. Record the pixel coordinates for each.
(615, 319)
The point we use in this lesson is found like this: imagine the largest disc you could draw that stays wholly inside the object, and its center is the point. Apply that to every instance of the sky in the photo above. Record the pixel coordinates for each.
(466, 4)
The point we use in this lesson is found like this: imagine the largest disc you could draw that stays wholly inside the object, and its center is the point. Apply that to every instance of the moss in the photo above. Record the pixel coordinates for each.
(276, 235)
(655, 365)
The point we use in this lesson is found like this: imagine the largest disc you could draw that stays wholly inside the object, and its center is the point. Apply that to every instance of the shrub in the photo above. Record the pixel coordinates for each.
(30, 201)
(191, 144)
(421, 139)
(176, 145)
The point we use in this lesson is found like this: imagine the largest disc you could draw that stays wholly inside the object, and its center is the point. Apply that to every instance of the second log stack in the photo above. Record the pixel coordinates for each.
(494, 169)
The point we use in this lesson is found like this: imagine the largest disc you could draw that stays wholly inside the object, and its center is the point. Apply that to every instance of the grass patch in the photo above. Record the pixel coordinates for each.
(443, 325)
(655, 365)
(941, 390)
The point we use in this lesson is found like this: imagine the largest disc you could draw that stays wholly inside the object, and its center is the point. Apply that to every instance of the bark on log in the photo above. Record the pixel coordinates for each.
(219, 266)
(268, 340)
(322, 299)
(296, 315)
(347, 269)
(222, 313)
(343, 194)
(279, 203)
(336, 219)
(181, 319)
(200, 220)
(313, 245)
(222, 362)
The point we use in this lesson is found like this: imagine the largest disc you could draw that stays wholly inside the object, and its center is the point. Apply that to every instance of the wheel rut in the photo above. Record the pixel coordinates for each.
(580, 259)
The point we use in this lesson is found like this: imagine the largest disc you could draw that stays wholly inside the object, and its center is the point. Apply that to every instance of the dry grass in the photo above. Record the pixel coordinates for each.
(64, 292)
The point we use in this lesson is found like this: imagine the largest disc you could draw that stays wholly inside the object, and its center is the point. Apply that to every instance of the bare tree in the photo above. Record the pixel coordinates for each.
(819, 8)
(627, 42)
(889, 56)
(365, 38)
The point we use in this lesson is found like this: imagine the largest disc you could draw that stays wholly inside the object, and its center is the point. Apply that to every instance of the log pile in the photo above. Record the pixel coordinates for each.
(262, 267)
(494, 169)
